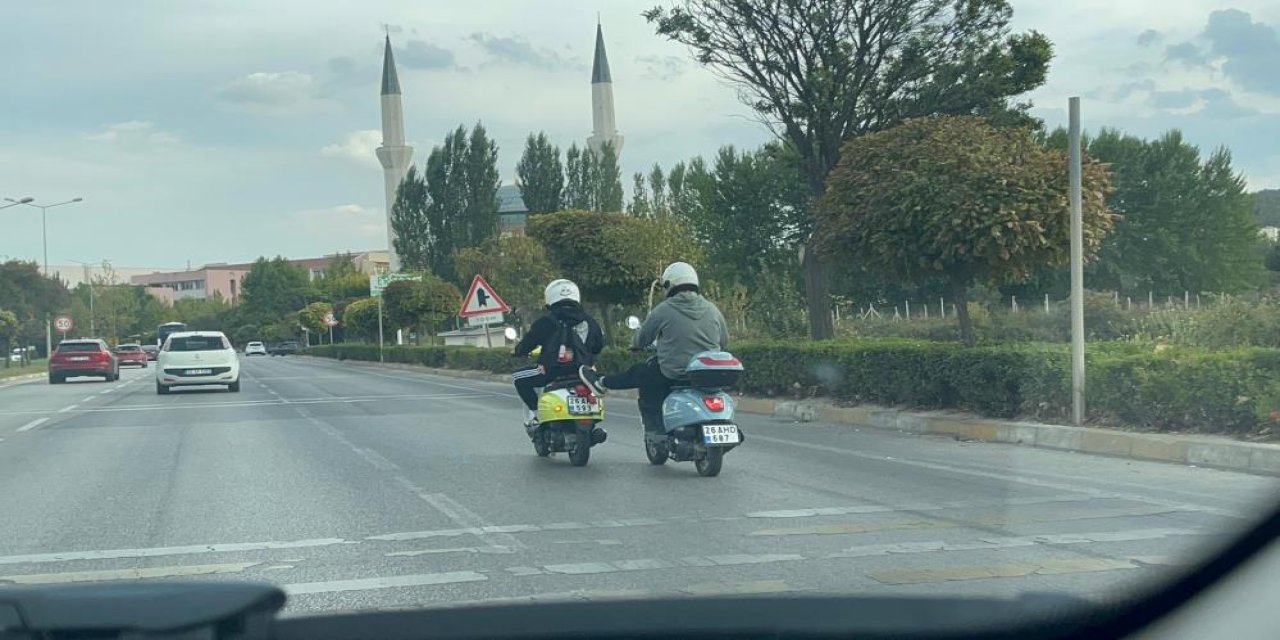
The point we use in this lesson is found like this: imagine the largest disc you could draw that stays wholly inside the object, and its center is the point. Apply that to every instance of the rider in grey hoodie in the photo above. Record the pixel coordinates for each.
(681, 326)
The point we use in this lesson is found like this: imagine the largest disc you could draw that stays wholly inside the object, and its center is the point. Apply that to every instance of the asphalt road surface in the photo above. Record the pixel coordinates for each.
(357, 487)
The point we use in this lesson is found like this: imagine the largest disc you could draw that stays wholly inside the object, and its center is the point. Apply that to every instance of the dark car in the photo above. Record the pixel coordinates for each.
(83, 357)
(131, 354)
(283, 348)
(151, 350)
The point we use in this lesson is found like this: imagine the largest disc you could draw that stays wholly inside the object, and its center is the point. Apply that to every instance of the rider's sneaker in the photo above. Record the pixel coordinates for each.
(599, 435)
(593, 379)
(531, 425)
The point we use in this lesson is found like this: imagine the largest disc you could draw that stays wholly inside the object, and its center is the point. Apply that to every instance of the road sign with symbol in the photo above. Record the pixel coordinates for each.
(481, 300)
(329, 320)
(63, 324)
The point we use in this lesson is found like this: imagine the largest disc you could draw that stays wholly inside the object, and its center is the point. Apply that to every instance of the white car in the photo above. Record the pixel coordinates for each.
(194, 358)
(255, 348)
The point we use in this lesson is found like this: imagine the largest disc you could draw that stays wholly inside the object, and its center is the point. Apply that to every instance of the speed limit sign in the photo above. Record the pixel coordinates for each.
(63, 324)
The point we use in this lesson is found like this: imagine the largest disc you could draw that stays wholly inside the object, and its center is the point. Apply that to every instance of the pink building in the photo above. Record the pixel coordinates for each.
(227, 280)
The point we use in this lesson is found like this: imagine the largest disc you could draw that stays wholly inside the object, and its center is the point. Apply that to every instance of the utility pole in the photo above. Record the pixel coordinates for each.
(1077, 265)
(44, 232)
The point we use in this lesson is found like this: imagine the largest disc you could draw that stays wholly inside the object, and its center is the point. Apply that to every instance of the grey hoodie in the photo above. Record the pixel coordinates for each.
(683, 325)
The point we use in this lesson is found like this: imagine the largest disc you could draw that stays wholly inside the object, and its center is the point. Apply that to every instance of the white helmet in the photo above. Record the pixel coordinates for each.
(560, 290)
(678, 273)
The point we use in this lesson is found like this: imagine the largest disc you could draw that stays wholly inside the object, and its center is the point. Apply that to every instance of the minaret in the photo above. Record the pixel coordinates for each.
(394, 155)
(604, 128)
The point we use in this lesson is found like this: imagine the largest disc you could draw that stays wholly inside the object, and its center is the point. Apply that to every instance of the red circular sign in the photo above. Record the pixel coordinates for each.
(63, 324)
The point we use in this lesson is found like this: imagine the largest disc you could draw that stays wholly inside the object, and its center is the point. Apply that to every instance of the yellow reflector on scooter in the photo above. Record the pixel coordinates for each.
(559, 408)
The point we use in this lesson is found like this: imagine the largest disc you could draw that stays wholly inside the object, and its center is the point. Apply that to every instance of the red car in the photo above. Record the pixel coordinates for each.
(131, 354)
(83, 357)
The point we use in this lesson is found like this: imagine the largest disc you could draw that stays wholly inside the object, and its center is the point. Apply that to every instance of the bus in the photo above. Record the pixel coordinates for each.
(167, 328)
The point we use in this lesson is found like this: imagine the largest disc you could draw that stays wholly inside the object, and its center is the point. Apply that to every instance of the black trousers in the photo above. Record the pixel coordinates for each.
(527, 382)
(653, 388)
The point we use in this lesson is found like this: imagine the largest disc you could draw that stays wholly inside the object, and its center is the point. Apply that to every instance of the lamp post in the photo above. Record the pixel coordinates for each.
(88, 277)
(14, 203)
(44, 233)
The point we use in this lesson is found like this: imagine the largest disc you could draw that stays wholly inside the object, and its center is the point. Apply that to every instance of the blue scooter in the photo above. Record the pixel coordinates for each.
(697, 415)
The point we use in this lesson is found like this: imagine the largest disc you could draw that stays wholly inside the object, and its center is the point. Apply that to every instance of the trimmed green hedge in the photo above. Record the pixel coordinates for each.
(1176, 389)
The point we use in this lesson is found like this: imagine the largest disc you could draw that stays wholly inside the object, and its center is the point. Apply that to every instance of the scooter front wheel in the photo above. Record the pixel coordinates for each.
(656, 451)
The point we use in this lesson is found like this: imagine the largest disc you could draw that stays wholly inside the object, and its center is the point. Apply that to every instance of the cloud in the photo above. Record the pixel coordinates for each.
(1127, 89)
(357, 146)
(518, 51)
(1148, 37)
(1179, 99)
(282, 92)
(133, 131)
(1188, 54)
(1220, 104)
(1250, 50)
(420, 54)
(661, 67)
(344, 221)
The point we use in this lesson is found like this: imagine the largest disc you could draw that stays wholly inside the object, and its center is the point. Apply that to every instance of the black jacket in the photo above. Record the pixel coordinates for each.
(565, 324)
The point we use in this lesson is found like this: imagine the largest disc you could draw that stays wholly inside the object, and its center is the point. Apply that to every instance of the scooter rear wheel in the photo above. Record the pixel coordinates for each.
(709, 467)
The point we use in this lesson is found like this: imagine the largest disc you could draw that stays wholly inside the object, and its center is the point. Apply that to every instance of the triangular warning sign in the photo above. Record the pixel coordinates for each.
(481, 299)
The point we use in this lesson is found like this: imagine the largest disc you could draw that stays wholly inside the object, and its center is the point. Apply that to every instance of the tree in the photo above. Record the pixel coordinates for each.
(958, 199)
(540, 175)
(608, 180)
(32, 297)
(1266, 207)
(482, 182)
(454, 204)
(312, 317)
(576, 192)
(415, 240)
(420, 305)
(273, 289)
(360, 318)
(516, 266)
(246, 333)
(9, 328)
(754, 214)
(820, 72)
(616, 257)
(210, 314)
(640, 206)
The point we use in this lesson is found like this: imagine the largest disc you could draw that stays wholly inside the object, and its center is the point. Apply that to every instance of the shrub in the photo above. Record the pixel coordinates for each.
(1129, 385)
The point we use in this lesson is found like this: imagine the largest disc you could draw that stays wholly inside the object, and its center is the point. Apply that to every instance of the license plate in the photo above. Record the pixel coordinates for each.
(199, 372)
(720, 434)
(78, 358)
(581, 406)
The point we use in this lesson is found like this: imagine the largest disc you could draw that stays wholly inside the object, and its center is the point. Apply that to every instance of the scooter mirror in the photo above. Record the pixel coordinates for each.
(510, 333)
(633, 323)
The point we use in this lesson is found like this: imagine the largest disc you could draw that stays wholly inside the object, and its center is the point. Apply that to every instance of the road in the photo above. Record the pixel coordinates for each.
(361, 487)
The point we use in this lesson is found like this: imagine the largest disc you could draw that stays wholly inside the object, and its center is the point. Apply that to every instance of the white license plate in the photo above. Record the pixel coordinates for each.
(199, 372)
(581, 406)
(79, 358)
(720, 434)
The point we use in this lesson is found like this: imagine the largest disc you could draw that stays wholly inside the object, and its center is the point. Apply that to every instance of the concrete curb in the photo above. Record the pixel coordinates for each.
(1204, 451)
(26, 377)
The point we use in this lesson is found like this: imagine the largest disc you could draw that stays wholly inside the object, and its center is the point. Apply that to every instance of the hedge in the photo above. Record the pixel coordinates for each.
(1129, 385)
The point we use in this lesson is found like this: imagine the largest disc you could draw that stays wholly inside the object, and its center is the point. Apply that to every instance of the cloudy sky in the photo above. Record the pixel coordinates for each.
(209, 130)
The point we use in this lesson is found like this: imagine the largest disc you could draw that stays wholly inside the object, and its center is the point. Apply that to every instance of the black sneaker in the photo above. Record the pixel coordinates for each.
(599, 435)
(593, 379)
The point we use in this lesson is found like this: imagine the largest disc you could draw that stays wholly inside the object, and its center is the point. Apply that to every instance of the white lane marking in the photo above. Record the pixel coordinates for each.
(428, 552)
(175, 403)
(67, 408)
(1010, 477)
(110, 554)
(105, 392)
(127, 574)
(88, 399)
(390, 582)
(33, 424)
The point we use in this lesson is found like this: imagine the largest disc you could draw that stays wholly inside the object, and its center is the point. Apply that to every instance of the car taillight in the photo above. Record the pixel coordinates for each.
(714, 403)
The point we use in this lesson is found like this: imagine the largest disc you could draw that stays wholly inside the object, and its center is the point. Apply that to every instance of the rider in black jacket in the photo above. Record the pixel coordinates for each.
(569, 338)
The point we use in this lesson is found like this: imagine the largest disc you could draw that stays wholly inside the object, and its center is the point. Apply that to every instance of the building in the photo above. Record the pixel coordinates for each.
(227, 280)
(74, 275)
(604, 125)
(394, 155)
(512, 212)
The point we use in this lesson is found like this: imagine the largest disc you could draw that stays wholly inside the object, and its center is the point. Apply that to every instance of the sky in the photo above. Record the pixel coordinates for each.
(218, 131)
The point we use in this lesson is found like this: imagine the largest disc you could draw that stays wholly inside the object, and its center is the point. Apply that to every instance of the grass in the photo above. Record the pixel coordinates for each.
(15, 369)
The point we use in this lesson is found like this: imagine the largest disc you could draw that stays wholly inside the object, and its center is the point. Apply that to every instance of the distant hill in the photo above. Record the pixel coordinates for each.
(1266, 207)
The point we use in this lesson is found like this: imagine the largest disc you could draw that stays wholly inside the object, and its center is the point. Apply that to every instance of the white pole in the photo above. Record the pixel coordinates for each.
(908, 303)
(381, 358)
(1046, 304)
(942, 307)
(1077, 267)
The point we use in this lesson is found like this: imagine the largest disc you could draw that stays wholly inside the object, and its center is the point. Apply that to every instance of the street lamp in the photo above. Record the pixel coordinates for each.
(44, 233)
(14, 203)
(93, 331)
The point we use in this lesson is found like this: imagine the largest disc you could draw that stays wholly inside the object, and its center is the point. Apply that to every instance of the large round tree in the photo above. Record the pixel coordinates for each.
(956, 199)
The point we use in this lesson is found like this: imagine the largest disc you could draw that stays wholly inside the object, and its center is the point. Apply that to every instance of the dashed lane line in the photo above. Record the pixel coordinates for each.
(127, 574)
(32, 425)
(67, 408)
(390, 582)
